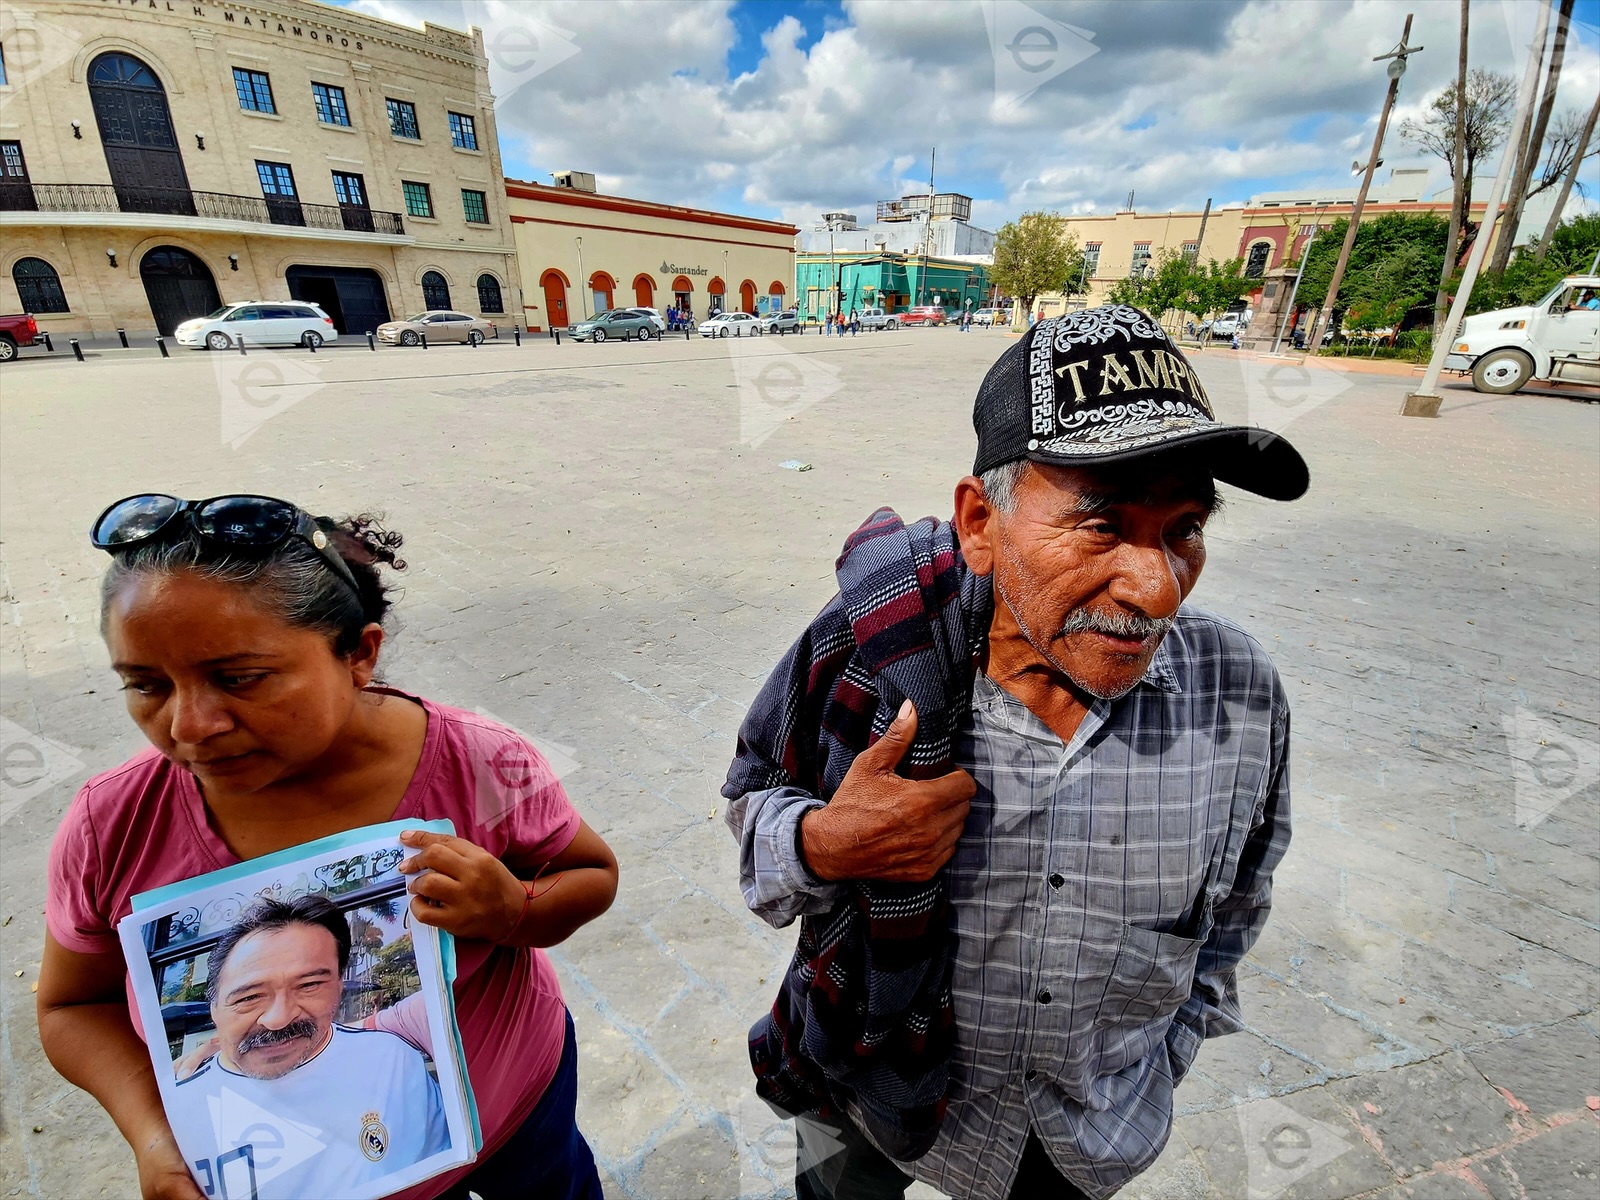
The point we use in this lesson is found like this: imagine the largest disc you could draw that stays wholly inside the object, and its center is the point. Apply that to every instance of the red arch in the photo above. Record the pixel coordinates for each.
(747, 296)
(644, 291)
(555, 285)
(683, 284)
(605, 285)
(776, 289)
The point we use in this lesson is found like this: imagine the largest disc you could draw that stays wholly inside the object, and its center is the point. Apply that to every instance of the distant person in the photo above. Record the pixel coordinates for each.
(855, 322)
(274, 984)
(246, 634)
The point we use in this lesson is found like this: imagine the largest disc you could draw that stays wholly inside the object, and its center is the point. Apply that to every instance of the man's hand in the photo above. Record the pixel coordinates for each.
(463, 889)
(881, 826)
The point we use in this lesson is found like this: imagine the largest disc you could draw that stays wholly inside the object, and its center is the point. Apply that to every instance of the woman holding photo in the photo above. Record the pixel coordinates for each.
(247, 635)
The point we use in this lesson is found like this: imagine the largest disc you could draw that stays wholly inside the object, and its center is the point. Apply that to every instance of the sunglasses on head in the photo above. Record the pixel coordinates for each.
(247, 524)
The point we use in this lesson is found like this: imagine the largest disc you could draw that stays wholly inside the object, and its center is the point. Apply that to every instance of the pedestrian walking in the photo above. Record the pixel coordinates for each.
(247, 636)
(1101, 771)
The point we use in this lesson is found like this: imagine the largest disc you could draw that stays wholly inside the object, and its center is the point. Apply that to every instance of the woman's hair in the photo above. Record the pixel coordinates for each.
(294, 580)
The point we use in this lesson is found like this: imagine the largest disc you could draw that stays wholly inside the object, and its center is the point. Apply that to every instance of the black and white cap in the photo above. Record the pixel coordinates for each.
(1107, 384)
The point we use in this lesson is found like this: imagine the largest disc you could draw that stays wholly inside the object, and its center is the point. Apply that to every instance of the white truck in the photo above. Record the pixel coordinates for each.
(1556, 340)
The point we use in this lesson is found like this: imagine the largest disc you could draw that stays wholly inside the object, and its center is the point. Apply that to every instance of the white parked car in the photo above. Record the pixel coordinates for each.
(731, 324)
(986, 316)
(654, 314)
(259, 323)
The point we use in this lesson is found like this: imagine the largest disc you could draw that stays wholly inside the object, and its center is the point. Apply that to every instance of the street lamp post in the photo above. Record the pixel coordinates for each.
(1288, 305)
(1397, 68)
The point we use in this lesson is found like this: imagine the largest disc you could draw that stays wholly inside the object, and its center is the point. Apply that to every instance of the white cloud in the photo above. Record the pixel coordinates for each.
(1181, 102)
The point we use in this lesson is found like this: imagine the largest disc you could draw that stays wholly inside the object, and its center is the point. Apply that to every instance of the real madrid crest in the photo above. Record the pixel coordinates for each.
(374, 1137)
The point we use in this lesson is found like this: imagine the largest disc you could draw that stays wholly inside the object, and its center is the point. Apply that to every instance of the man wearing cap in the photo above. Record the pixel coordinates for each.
(1026, 800)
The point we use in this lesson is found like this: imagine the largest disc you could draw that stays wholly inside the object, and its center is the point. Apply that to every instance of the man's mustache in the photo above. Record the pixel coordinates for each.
(259, 1038)
(1116, 623)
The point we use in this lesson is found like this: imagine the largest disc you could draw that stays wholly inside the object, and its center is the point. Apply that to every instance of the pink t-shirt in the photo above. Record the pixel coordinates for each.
(145, 824)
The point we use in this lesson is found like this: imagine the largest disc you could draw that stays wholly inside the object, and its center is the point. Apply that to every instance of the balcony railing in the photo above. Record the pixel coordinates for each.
(275, 210)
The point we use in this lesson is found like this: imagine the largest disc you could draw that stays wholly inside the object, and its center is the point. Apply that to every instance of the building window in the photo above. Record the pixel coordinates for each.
(1141, 258)
(419, 200)
(349, 189)
(489, 295)
(255, 90)
(276, 179)
(11, 162)
(1091, 260)
(463, 133)
(475, 205)
(1259, 253)
(403, 119)
(1191, 251)
(435, 291)
(331, 108)
(38, 286)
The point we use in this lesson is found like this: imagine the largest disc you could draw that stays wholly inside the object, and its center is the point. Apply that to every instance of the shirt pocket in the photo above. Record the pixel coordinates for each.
(1152, 975)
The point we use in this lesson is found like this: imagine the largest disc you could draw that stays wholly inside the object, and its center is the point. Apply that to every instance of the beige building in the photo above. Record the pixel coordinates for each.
(161, 157)
(582, 252)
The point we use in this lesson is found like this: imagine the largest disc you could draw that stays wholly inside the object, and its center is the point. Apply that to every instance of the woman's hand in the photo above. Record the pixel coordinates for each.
(461, 888)
(163, 1175)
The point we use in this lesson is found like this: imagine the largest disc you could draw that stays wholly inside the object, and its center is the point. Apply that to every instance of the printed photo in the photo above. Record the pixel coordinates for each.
(301, 1024)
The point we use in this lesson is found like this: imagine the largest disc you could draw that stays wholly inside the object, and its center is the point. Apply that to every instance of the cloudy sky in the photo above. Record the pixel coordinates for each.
(787, 108)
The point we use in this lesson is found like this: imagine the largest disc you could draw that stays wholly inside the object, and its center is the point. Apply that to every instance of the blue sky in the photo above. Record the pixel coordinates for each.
(787, 108)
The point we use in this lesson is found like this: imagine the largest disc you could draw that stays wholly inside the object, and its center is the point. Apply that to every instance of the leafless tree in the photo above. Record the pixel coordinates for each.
(1582, 148)
(1458, 137)
(1490, 97)
(1530, 148)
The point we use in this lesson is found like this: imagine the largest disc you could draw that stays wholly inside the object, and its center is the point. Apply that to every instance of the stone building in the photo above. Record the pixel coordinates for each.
(161, 157)
(582, 252)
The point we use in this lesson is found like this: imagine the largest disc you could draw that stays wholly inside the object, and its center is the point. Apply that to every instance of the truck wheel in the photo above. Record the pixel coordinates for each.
(1502, 372)
(8, 348)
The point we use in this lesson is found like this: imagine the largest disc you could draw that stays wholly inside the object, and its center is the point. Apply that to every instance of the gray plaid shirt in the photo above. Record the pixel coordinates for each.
(1104, 891)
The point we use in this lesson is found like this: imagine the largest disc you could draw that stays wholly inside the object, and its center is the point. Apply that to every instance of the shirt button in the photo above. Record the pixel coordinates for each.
(1056, 881)
(1031, 1076)
(1044, 997)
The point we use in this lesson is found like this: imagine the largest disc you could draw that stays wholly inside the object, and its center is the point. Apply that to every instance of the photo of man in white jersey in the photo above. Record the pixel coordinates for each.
(294, 1105)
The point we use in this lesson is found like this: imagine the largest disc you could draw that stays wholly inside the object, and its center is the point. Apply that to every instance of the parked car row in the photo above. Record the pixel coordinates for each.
(259, 323)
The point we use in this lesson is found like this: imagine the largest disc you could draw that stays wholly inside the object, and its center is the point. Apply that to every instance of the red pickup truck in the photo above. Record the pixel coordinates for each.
(15, 331)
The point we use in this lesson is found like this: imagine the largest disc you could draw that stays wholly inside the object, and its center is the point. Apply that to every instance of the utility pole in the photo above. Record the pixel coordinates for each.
(927, 230)
(1457, 166)
(1397, 68)
(1288, 306)
(1424, 402)
(1567, 181)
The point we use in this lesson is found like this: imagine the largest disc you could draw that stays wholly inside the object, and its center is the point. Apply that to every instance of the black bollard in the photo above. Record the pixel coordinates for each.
(516, 332)
(241, 343)
(77, 350)
(161, 345)
(424, 340)
(122, 336)
(311, 345)
(686, 333)
(557, 332)
(372, 341)
(473, 342)
(48, 344)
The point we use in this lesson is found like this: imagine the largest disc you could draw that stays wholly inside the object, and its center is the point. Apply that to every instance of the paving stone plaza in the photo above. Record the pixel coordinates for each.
(607, 551)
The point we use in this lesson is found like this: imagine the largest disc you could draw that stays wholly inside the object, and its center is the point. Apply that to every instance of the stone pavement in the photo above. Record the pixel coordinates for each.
(606, 552)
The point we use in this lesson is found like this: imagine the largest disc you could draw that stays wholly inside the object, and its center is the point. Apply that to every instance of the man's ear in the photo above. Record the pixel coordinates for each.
(974, 521)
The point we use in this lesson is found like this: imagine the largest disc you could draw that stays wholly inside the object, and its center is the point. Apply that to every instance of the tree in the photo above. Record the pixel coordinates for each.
(1381, 297)
(1579, 152)
(1539, 267)
(1215, 286)
(1164, 288)
(1490, 97)
(1529, 152)
(1377, 241)
(1033, 255)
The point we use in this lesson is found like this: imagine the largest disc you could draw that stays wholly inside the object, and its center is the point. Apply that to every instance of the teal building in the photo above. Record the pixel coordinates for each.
(893, 282)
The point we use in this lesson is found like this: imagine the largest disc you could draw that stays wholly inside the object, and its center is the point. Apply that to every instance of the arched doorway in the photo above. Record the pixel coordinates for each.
(130, 107)
(775, 294)
(644, 291)
(747, 296)
(353, 296)
(602, 287)
(718, 301)
(683, 294)
(178, 286)
(554, 284)
(435, 291)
